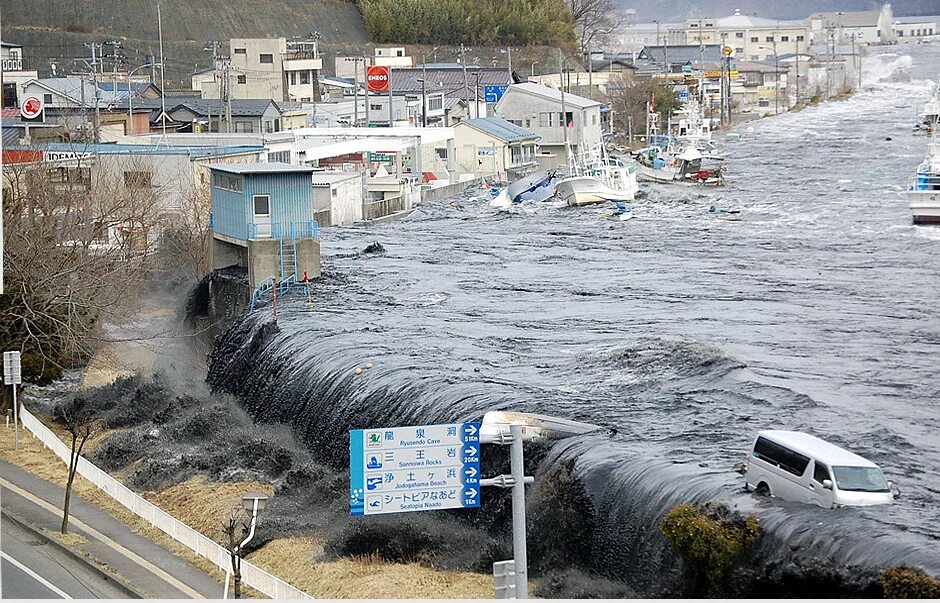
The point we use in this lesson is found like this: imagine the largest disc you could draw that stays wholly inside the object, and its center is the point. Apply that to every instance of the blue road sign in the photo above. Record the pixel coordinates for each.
(492, 94)
(405, 469)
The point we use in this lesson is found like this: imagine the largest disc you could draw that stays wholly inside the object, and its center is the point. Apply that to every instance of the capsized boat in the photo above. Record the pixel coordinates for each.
(537, 186)
(924, 193)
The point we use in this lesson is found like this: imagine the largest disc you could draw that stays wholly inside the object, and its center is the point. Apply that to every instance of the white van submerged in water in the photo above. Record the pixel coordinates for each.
(797, 466)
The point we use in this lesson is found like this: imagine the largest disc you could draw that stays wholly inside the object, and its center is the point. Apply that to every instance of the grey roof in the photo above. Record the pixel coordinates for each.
(71, 88)
(866, 18)
(501, 129)
(572, 100)
(450, 80)
(680, 55)
(11, 137)
(241, 107)
(328, 178)
(450, 102)
(261, 168)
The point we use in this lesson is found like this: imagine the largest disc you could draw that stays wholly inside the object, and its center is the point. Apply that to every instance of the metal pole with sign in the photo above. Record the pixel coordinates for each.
(391, 117)
(12, 376)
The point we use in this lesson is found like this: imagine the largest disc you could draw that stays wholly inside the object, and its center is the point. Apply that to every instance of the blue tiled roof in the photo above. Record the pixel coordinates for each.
(502, 129)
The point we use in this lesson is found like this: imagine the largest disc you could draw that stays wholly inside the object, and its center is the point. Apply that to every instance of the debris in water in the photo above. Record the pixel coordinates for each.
(368, 365)
(358, 371)
(375, 247)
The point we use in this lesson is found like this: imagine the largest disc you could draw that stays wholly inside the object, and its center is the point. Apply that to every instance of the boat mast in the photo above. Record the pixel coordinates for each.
(564, 118)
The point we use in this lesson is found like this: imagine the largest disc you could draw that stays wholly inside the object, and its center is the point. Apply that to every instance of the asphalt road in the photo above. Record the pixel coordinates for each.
(30, 569)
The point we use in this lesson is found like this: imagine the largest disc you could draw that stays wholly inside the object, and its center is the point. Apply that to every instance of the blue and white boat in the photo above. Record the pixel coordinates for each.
(924, 193)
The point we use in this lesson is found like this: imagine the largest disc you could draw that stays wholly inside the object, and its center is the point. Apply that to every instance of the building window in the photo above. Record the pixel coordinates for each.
(568, 121)
(47, 99)
(593, 120)
(227, 182)
(400, 53)
(547, 120)
(375, 107)
(304, 77)
(799, 38)
(268, 127)
(242, 79)
(435, 103)
(784, 38)
(244, 126)
(138, 179)
(693, 24)
(292, 77)
(262, 205)
(755, 57)
(240, 51)
(739, 34)
(9, 95)
(753, 38)
(516, 122)
(279, 157)
(739, 50)
(769, 39)
(266, 59)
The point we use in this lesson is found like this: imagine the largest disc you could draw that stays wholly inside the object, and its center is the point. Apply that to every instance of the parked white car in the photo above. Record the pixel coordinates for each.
(799, 467)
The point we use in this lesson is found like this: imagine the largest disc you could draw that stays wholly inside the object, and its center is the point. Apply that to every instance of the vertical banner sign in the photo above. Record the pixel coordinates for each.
(377, 78)
(405, 469)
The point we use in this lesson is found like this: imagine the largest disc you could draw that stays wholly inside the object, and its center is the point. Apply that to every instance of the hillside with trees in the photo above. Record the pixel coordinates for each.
(476, 22)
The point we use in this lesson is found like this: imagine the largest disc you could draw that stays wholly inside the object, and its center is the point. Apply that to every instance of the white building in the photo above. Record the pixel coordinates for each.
(340, 194)
(492, 146)
(275, 68)
(751, 38)
(392, 57)
(538, 109)
(914, 29)
(12, 74)
(867, 27)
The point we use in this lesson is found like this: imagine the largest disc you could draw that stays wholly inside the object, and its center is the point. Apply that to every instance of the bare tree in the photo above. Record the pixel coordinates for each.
(594, 21)
(76, 248)
(80, 423)
(628, 100)
(235, 528)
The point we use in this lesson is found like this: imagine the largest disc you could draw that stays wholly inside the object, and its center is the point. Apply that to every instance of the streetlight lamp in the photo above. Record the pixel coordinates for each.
(253, 503)
(776, 74)
(130, 95)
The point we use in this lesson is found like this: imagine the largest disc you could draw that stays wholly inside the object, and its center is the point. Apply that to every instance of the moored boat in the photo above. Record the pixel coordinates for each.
(924, 193)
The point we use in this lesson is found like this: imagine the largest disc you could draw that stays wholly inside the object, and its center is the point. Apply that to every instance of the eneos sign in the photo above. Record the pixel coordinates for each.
(377, 78)
(31, 107)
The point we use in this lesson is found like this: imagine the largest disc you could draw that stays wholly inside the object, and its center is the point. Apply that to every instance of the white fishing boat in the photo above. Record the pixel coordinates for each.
(695, 131)
(924, 193)
(930, 115)
(598, 178)
(669, 159)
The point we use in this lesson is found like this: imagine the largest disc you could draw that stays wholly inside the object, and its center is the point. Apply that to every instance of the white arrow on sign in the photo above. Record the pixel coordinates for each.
(470, 430)
(471, 493)
(470, 471)
(471, 451)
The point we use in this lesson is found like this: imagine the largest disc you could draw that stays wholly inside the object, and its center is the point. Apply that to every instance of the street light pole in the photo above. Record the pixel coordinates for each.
(532, 70)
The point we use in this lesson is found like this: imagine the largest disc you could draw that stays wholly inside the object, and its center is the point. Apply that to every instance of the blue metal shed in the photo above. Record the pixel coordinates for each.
(262, 200)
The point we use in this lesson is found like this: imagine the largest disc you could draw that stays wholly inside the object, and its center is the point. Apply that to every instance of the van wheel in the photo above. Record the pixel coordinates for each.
(763, 489)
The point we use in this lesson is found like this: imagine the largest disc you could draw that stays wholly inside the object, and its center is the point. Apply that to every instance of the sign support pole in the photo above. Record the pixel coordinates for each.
(517, 471)
(391, 119)
(16, 421)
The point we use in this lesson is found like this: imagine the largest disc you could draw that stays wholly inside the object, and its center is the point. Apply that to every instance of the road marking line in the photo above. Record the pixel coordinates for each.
(36, 576)
(153, 569)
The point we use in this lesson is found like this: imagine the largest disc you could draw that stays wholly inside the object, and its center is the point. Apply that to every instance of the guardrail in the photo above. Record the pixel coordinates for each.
(195, 541)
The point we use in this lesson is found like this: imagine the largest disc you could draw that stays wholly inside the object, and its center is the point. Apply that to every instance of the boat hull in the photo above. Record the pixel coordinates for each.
(667, 174)
(586, 190)
(925, 206)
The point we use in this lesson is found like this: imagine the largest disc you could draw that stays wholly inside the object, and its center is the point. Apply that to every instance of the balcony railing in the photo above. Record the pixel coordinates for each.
(284, 230)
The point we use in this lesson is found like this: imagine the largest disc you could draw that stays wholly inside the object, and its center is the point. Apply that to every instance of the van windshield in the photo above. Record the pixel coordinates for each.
(860, 479)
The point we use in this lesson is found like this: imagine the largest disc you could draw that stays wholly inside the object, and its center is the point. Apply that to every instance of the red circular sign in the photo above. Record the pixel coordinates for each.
(377, 78)
(31, 107)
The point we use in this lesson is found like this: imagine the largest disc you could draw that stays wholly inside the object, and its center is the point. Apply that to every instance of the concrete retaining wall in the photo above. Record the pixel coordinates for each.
(436, 194)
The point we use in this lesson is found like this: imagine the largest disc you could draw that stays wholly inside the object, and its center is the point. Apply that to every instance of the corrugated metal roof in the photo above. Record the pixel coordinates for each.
(261, 168)
(329, 178)
(11, 136)
(866, 18)
(146, 149)
(572, 100)
(501, 129)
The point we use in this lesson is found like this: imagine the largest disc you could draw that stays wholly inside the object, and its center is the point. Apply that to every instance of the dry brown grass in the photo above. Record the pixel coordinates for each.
(70, 540)
(203, 505)
(368, 578)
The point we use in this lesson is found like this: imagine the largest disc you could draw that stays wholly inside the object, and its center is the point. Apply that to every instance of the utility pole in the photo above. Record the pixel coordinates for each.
(365, 77)
(830, 37)
(94, 80)
(509, 54)
(391, 118)
(356, 94)
(466, 83)
(424, 96)
(476, 93)
(797, 71)
(564, 120)
(162, 71)
(776, 76)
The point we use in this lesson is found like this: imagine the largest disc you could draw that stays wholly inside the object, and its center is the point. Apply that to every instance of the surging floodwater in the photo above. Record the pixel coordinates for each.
(816, 312)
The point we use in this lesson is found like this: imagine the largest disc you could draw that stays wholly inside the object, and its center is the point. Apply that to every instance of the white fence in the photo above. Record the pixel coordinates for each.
(252, 575)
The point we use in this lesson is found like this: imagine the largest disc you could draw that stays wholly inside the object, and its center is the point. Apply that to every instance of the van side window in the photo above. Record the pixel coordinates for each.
(775, 454)
(820, 473)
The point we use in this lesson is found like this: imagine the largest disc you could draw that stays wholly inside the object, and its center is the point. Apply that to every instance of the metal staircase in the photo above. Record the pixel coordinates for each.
(288, 258)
